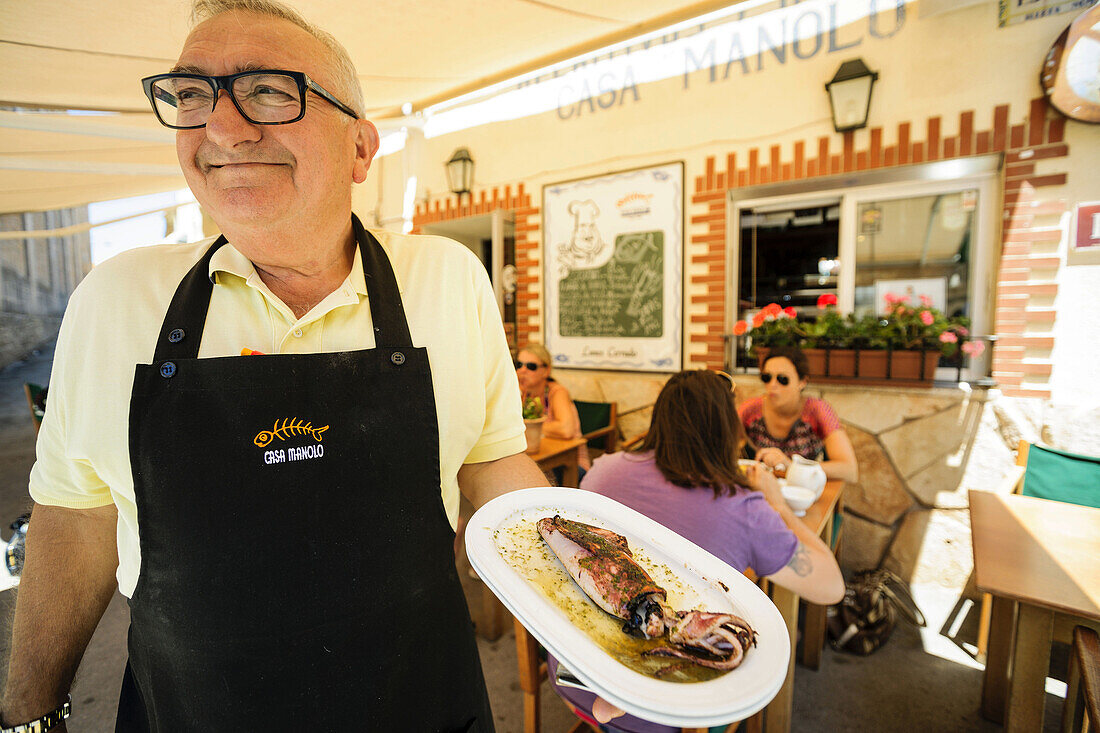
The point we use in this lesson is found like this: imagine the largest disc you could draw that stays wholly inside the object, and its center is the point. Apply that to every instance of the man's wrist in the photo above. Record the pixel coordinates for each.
(40, 724)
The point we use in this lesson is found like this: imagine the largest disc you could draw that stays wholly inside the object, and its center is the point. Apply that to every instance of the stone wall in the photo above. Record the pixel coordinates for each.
(21, 333)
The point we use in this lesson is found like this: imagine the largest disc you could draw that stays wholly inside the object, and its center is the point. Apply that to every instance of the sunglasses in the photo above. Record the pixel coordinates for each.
(781, 378)
(727, 377)
(532, 365)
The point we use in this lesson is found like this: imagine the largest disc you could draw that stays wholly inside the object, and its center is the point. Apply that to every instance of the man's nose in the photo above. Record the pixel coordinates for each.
(226, 126)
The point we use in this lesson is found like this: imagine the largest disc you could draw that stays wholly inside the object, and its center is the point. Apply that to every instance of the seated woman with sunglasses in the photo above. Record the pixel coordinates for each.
(785, 422)
(562, 420)
(685, 475)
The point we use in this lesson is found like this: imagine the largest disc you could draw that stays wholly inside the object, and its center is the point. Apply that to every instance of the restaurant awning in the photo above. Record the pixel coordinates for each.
(61, 56)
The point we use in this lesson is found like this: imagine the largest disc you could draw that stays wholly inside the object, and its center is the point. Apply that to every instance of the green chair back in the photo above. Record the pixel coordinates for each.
(1061, 476)
(33, 392)
(593, 415)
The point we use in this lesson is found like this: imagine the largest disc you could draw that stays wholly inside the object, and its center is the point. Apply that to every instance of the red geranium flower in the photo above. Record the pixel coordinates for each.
(772, 309)
(740, 328)
(758, 319)
(825, 300)
(791, 312)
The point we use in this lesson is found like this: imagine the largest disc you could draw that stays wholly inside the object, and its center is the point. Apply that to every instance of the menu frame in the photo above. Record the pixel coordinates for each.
(604, 239)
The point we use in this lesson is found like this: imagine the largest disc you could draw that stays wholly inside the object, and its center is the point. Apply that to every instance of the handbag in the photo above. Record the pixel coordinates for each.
(865, 618)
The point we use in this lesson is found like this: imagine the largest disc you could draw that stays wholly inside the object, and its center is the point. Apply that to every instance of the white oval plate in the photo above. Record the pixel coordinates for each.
(699, 579)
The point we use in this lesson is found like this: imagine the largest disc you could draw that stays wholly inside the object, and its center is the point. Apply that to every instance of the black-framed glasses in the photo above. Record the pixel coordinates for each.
(185, 101)
(781, 378)
(531, 365)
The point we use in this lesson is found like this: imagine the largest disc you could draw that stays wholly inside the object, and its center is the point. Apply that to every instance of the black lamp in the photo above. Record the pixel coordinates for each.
(850, 95)
(460, 171)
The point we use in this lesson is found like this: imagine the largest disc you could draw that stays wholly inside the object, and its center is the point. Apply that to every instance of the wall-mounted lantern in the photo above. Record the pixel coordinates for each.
(460, 172)
(850, 95)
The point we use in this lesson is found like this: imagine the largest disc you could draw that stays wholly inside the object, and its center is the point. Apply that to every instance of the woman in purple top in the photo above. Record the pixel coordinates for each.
(685, 475)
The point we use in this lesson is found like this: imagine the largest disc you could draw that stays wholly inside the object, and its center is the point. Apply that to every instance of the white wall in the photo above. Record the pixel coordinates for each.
(934, 65)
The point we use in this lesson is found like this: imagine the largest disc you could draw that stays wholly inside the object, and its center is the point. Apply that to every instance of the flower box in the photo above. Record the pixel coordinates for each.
(867, 366)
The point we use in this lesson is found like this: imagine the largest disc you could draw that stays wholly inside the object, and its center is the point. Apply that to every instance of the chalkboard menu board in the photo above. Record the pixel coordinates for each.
(613, 264)
(622, 297)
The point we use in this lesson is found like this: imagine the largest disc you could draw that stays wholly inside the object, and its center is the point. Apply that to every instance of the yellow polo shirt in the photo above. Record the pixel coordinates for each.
(115, 316)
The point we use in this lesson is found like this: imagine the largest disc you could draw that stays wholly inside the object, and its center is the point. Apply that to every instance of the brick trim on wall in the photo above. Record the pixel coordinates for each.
(1029, 260)
(1031, 233)
(450, 208)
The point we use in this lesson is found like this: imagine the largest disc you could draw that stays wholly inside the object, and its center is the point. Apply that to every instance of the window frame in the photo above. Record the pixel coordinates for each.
(983, 173)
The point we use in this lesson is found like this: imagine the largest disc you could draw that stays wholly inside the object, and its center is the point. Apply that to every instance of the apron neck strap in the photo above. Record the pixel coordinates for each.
(391, 328)
(181, 331)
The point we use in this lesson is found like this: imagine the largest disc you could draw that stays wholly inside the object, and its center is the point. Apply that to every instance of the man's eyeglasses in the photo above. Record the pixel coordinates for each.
(781, 378)
(532, 365)
(267, 97)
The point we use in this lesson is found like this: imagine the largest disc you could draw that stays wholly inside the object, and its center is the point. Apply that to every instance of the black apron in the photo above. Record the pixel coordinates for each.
(297, 565)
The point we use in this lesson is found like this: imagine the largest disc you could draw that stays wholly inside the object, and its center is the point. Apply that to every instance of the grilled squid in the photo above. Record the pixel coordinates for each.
(601, 563)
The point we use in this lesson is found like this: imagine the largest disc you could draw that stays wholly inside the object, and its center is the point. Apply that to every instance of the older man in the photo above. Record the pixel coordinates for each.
(281, 523)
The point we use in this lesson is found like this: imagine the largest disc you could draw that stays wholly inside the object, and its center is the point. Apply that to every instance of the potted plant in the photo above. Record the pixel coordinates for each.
(533, 418)
(772, 325)
(904, 346)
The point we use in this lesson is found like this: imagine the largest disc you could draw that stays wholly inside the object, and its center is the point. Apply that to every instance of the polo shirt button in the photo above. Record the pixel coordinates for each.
(397, 358)
(168, 369)
(176, 335)
(297, 333)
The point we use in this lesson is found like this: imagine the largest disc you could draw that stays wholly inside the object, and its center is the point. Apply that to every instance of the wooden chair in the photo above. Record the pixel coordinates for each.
(599, 424)
(33, 392)
(1048, 474)
(532, 673)
(1082, 710)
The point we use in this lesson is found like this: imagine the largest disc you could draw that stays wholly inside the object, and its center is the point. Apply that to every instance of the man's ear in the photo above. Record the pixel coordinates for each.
(366, 147)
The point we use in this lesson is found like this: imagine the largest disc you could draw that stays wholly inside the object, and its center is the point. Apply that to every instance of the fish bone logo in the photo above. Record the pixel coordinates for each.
(289, 426)
(285, 429)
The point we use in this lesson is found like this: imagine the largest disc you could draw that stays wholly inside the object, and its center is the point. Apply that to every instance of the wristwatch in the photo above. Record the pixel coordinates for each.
(47, 721)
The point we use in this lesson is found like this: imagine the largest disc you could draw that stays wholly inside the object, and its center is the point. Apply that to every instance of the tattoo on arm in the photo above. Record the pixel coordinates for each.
(800, 561)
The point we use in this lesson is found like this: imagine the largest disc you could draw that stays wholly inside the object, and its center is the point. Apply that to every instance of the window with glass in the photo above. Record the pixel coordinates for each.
(926, 232)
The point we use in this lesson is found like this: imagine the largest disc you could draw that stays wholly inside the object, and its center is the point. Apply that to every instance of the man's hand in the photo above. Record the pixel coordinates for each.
(68, 580)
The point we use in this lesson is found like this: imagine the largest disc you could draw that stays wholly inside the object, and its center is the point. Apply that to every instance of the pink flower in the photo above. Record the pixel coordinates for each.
(825, 300)
(973, 348)
(963, 332)
(891, 299)
(790, 312)
(926, 301)
(740, 328)
(926, 318)
(949, 337)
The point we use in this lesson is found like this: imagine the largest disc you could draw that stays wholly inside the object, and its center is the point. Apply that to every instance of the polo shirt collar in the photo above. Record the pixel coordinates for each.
(229, 260)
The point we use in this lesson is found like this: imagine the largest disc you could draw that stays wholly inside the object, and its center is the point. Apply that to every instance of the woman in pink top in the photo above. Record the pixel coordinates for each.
(685, 475)
(785, 422)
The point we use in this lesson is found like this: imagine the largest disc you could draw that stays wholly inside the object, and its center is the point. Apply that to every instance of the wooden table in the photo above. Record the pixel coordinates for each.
(1041, 562)
(819, 518)
(554, 453)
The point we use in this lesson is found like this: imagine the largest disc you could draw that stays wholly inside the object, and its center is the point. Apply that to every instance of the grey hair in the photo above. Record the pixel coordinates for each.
(349, 89)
